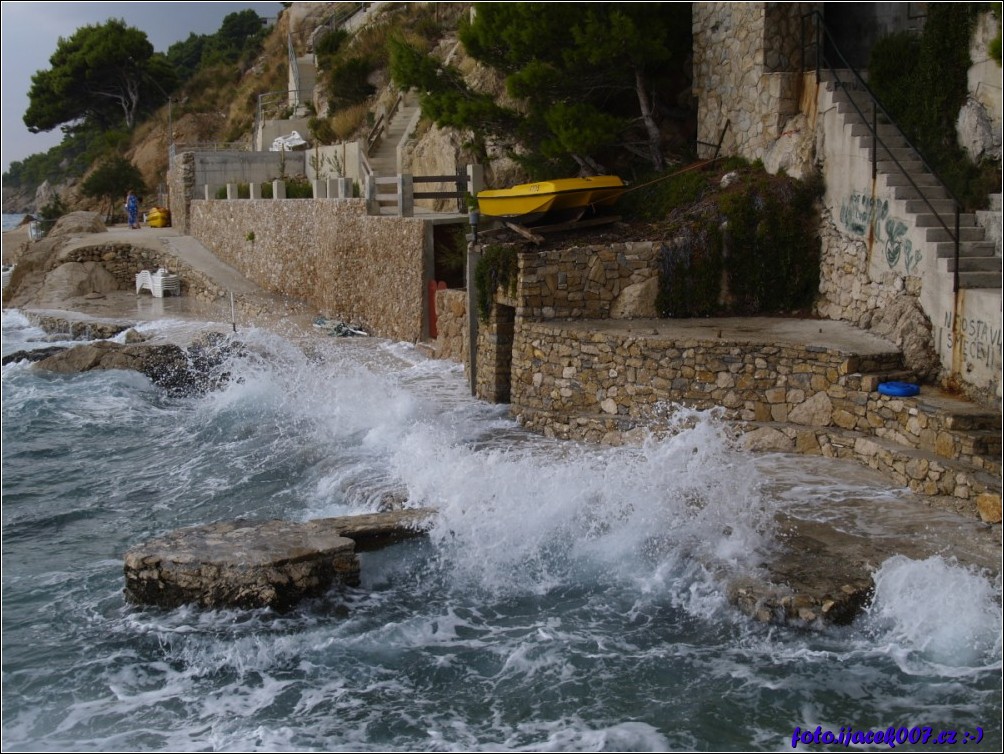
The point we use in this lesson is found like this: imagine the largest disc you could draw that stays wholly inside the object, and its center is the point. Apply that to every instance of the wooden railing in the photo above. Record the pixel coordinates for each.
(376, 133)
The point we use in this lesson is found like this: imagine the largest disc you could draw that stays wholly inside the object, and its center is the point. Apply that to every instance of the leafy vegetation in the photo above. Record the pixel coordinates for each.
(104, 75)
(922, 82)
(238, 39)
(111, 180)
(497, 268)
(747, 249)
(575, 70)
(106, 78)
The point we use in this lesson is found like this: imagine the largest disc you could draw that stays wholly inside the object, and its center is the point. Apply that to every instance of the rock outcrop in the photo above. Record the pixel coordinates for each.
(273, 564)
(168, 365)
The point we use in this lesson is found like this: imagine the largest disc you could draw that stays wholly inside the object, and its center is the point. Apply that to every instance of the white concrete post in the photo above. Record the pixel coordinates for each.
(232, 192)
(320, 189)
(370, 190)
(473, 257)
(475, 179)
(210, 194)
(278, 189)
(405, 195)
(255, 190)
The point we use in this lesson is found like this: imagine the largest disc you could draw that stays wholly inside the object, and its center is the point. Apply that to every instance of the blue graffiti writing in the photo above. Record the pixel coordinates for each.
(861, 213)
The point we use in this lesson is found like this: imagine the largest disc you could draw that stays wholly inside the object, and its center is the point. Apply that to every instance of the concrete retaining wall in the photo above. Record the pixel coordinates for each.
(368, 270)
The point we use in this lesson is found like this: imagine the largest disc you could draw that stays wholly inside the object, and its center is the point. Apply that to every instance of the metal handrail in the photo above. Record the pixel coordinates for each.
(872, 124)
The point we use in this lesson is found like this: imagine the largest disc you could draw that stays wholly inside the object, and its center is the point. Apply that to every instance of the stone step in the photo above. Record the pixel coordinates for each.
(965, 234)
(913, 167)
(923, 471)
(944, 207)
(919, 180)
(978, 280)
(888, 141)
(928, 220)
(946, 249)
(931, 193)
(973, 264)
(868, 383)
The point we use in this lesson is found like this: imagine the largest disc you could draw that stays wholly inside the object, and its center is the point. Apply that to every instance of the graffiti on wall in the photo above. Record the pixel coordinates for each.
(868, 216)
(978, 340)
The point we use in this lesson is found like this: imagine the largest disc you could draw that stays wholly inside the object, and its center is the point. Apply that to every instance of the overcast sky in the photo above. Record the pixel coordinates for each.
(30, 32)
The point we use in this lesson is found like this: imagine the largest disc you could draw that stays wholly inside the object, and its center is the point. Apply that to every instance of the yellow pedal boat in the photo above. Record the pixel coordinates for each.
(158, 217)
(562, 199)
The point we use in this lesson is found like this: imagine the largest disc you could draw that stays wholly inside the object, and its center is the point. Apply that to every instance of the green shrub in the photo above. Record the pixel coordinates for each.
(748, 249)
(497, 268)
(655, 195)
(922, 82)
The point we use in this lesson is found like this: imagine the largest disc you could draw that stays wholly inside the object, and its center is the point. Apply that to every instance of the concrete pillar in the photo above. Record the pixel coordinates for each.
(320, 189)
(232, 192)
(370, 190)
(340, 188)
(209, 192)
(255, 190)
(473, 257)
(475, 179)
(405, 195)
(278, 189)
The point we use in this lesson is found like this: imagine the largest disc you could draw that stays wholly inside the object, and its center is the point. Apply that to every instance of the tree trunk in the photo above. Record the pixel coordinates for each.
(645, 105)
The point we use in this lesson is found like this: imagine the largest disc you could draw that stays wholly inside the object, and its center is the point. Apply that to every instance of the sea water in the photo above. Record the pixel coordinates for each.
(569, 598)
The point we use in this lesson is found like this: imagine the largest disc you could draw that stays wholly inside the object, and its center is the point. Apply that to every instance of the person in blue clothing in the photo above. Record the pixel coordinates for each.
(132, 209)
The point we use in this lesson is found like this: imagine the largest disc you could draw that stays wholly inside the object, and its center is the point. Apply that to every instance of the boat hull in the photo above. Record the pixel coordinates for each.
(564, 198)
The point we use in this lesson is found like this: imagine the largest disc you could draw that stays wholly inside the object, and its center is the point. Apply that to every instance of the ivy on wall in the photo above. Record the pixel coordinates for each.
(751, 248)
(497, 268)
(923, 82)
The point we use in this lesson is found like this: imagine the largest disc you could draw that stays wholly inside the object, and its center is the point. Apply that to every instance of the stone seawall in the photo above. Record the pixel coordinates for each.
(569, 369)
(368, 270)
(609, 382)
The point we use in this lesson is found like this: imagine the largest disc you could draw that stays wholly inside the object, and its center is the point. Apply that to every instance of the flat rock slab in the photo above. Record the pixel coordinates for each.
(824, 574)
(245, 564)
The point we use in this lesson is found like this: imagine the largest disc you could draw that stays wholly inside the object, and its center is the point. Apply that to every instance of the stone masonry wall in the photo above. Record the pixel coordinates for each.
(180, 185)
(574, 380)
(747, 59)
(451, 325)
(618, 281)
(123, 261)
(368, 270)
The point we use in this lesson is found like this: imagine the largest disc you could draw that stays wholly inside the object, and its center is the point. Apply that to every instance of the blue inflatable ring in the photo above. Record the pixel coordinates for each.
(899, 389)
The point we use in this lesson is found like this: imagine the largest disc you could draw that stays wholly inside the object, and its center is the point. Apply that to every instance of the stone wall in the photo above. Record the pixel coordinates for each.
(451, 325)
(584, 381)
(190, 173)
(181, 189)
(122, 261)
(747, 70)
(568, 369)
(370, 271)
(617, 281)
(875, 253)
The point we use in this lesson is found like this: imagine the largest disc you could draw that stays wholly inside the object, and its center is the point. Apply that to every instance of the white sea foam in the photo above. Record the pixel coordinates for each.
(936, 614)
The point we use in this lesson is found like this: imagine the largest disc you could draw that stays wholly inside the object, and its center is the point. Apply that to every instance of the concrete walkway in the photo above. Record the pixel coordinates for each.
(188, 250)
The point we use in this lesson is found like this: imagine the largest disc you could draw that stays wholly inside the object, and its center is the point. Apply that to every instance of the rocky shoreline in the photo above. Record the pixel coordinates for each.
(819, 574)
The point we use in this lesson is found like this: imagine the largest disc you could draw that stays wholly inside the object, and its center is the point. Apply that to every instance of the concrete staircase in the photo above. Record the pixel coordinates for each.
(384, 158)
(919, 195)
